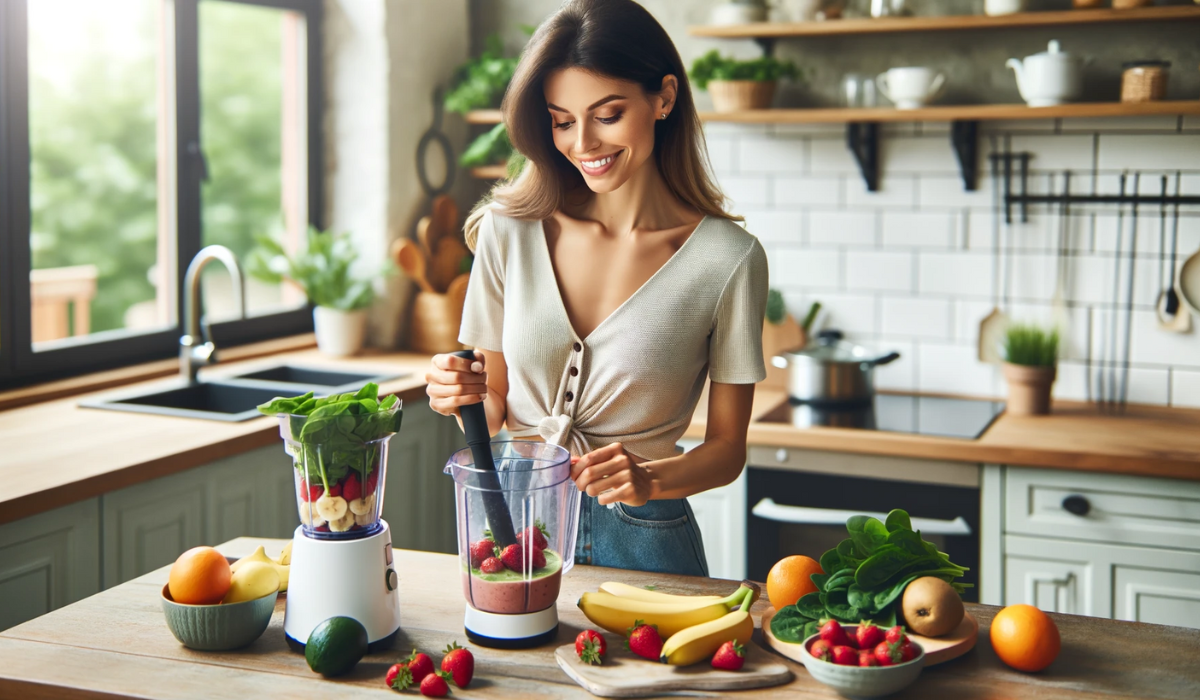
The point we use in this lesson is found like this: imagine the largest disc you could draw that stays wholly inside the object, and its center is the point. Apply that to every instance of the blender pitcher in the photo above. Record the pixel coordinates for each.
(511, 571)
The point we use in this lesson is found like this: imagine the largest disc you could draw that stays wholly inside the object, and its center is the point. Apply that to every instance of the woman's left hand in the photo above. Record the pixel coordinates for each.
(611, 475)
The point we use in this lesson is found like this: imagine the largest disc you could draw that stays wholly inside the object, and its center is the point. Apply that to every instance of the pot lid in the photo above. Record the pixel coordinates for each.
(829, 347)
(1052, 49)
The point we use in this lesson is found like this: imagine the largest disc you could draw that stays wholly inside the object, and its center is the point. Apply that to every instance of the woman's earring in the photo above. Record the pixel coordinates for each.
(664, 115)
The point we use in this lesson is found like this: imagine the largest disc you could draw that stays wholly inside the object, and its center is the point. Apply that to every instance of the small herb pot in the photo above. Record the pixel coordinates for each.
(339, 333)
(737, 95)
(1028, 389)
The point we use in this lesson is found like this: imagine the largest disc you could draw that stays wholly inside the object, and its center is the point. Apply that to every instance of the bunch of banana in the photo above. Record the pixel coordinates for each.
(260, 555)
(699, 642)
(616, 607)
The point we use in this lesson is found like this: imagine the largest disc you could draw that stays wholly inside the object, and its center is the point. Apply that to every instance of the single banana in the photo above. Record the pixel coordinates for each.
(617, 614)
(624, 590)
(700, 642)
(285, 557)
(331, 508)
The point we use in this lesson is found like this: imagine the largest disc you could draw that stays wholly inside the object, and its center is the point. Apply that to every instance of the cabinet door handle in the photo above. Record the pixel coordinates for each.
(768, 509)
(1076, 505)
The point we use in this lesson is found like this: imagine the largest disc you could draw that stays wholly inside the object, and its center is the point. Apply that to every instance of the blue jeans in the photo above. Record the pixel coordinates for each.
(661, 536)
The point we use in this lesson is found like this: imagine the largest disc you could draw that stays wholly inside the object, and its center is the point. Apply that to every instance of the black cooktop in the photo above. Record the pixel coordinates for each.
(898, 413)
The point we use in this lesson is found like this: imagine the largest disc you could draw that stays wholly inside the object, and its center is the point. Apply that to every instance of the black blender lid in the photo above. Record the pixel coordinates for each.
(1145, 64)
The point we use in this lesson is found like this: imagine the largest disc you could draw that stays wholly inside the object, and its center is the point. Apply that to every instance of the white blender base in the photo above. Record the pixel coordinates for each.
(342, 578)
(519, 631)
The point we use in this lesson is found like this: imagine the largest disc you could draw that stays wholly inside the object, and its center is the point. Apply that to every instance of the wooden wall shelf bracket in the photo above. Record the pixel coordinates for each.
(862, 138)
(964, 139)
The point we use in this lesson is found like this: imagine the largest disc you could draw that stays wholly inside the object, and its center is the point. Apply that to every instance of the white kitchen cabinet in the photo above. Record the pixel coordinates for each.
(1159, 596)
(721, 515)
(49, 560)
(1050, 575)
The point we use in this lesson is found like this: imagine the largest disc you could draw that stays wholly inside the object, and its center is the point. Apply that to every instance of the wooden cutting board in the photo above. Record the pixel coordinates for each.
(625, 675)
(937, 649)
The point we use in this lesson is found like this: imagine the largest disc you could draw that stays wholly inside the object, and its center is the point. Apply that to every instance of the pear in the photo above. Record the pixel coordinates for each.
(260, 556)
(931, 607)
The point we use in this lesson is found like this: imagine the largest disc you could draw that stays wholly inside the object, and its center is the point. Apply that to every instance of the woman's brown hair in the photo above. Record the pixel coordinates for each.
(617, 39)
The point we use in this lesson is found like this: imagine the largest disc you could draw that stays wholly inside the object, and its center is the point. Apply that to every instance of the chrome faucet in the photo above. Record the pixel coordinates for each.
(196, 350)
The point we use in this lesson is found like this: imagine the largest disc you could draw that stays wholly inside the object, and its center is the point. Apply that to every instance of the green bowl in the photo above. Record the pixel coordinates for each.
(218, 627)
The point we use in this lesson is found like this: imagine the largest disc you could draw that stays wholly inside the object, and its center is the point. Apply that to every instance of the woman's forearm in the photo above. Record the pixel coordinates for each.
(714, 463)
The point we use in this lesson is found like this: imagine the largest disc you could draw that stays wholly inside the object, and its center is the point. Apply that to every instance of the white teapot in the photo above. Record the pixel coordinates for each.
(1048, 78)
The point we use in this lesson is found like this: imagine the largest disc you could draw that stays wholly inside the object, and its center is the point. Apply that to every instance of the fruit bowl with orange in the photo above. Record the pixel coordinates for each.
(210, 606)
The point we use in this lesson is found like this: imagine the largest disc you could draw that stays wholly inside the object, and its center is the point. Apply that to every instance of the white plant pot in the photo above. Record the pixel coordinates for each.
(339, 333)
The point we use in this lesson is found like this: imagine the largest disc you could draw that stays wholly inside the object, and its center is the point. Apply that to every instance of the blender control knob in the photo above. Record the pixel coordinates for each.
(392, 580)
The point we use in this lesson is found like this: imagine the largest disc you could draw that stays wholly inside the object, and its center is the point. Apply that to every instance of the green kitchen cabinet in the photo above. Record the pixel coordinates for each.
(49, 560)
(418, 500)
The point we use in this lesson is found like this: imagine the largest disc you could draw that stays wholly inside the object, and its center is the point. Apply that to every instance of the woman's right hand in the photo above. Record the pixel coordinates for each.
(455, 381)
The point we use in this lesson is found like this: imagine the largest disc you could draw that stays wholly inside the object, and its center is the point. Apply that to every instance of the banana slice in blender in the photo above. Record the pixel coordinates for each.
(308, 520)
(331, 508)
(363, 506)
(364, 519)
(345, 523)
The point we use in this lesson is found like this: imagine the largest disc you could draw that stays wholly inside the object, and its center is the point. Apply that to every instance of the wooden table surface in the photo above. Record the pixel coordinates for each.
(116, 644)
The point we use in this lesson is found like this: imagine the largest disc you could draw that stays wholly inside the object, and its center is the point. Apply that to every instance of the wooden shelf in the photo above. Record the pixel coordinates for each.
(949, 113)
(490, 172)
(887, 25)
(484, 116)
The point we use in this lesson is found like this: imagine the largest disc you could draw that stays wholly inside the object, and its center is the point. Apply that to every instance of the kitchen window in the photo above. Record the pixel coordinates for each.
(132, 134)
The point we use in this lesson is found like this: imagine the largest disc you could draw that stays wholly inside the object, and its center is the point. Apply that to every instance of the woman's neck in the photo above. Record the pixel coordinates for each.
(642, 203)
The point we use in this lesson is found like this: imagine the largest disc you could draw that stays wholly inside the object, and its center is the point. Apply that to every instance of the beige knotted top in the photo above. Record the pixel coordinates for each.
(637, 377)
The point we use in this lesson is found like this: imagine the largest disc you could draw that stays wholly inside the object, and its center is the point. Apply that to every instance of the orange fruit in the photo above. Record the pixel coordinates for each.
(200, 576)
(789, 580)
(1025, 638)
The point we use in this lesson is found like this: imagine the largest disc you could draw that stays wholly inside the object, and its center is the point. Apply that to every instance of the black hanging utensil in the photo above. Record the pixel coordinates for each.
(1172, 301)
(479, 439)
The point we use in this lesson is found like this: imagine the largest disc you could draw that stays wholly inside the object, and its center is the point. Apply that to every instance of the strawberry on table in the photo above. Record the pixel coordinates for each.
(822, 650)
(491, 565)
(409, 672)
(590, 647)
(868, 636)
(866, 657)
(481, 550)
(398, 677)
(845, 655)
(460, 664)
(420, 664)
(833, 633)
(644, 640)
(730, 656)
(434, 685)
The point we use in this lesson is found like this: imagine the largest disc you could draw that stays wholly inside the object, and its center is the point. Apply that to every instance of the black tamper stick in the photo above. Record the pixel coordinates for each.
(475, 427)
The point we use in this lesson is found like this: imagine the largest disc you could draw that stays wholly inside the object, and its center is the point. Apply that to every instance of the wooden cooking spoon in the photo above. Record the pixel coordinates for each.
(410, 259)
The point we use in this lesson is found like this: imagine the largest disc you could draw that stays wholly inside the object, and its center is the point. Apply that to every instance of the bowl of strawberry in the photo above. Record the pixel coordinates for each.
(863, 661)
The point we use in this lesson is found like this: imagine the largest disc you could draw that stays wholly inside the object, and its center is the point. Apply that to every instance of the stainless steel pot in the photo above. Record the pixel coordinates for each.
(832, 371)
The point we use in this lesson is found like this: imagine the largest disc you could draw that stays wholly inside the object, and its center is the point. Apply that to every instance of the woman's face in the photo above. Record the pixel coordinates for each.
(604, 126)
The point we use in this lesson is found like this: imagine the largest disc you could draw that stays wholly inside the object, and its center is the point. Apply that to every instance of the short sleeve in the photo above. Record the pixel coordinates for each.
(735, 353)
(483, 311)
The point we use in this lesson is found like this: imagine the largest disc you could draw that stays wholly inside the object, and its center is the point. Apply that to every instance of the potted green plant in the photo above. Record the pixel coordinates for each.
(1030, 365)
(322, 268)
(736, 85)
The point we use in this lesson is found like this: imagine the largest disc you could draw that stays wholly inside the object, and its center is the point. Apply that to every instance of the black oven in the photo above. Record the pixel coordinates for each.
(798, 512)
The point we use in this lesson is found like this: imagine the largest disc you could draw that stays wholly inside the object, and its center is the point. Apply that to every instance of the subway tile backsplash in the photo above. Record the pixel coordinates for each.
(911, 267)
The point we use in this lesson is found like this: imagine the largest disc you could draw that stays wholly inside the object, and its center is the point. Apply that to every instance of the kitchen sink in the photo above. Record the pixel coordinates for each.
(313, 377)
(221, 401)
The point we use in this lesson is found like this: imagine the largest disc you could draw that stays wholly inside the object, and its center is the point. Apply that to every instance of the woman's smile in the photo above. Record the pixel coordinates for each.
(595, 167)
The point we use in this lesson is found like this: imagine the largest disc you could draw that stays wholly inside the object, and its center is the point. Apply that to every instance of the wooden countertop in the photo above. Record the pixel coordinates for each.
(1143, 441)
(116, 645)
(56, 453)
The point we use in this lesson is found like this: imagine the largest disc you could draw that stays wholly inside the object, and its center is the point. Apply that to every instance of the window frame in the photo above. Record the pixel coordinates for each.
(19, 363)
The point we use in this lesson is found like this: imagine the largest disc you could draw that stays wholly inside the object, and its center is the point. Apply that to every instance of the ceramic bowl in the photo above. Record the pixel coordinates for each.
(862, 681)
(218, 627)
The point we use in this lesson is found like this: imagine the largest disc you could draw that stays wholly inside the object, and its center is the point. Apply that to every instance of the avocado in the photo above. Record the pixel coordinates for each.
(336, 646)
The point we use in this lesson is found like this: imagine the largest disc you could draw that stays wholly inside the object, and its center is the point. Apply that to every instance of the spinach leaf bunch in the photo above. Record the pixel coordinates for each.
(323, 268)
(714, 66)
(865, 577)
(329, 436)
(481, 82)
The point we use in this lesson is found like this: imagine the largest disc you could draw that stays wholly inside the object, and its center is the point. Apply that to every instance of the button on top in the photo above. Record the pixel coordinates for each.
(569, 396)
(574, 371)
(576, 347)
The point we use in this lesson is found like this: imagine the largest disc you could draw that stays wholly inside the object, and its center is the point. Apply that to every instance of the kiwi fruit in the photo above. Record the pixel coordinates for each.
(931, 607)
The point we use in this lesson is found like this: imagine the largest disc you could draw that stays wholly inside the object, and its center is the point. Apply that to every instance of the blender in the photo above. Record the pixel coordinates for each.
(516, 538)
(342, 552)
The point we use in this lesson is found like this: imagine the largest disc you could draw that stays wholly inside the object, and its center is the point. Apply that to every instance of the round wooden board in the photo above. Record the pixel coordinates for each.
(937, 649)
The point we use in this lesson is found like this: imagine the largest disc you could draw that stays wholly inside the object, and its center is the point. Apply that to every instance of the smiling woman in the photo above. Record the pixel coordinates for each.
(609, 285)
